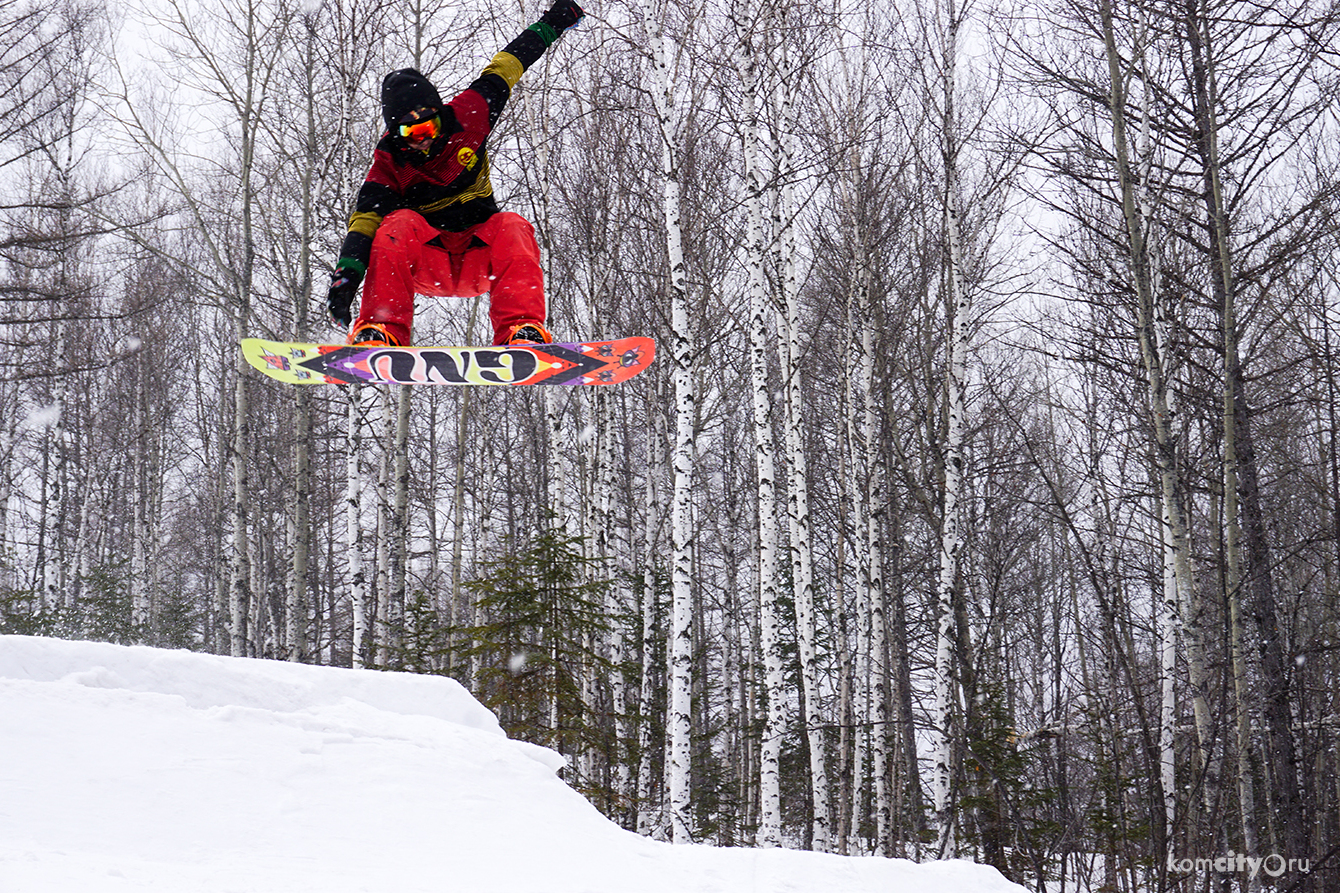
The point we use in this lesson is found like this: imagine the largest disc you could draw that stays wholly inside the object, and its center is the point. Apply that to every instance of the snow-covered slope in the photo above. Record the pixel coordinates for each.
(139, 769)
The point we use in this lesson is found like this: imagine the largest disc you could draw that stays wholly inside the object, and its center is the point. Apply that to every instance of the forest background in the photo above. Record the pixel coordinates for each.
(982, 499)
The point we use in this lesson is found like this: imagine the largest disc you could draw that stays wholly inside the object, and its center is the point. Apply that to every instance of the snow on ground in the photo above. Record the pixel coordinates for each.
(129, 769)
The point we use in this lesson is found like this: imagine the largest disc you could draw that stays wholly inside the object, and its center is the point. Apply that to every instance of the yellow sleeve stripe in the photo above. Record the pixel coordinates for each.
(507, 67)
(365, 223)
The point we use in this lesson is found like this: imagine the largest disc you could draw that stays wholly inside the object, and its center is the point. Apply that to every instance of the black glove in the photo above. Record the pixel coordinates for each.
(343, 287)
(564, 14)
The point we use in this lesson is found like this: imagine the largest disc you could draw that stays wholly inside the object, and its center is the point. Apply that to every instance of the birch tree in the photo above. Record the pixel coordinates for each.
(667, 69)
(959, 324)
(769, 536)
(363, 640)
(785, 211)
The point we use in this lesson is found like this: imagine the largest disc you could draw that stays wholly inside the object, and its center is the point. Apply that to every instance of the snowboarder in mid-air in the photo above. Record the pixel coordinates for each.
(426, 221)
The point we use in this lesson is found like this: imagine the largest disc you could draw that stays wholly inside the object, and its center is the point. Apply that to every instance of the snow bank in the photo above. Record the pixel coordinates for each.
(137, 769)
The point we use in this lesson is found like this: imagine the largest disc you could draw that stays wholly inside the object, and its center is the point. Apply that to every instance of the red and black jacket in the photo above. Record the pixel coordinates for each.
(450, 185)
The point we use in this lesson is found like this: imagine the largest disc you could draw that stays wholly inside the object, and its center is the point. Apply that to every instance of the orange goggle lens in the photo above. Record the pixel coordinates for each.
(420, 130)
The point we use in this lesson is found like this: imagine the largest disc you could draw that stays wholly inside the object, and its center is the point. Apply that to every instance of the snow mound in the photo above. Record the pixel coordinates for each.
(138, 769)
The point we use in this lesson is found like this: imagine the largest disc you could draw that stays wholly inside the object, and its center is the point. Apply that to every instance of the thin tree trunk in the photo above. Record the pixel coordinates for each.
(295, 634)
(774, 727)
(616, 644)
(847, 783)
(361, 646)
(458, 604)
(242, 562)
(139, 555)
(460, 607)
(1251, 844)
(859, 440)
(397, 594)
(900, 670)
(681, 529)
(798, 510)
(679, 721)
(959, 306)
(658, 470)
(385, 528)
(239, 566)
(53, 565)
(882, 794)
(863, 494)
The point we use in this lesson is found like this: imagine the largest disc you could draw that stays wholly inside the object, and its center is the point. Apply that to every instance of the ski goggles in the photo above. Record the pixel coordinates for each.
(418, 131)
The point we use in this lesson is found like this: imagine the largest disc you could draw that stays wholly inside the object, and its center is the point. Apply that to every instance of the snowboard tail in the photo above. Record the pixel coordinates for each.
(571, 363)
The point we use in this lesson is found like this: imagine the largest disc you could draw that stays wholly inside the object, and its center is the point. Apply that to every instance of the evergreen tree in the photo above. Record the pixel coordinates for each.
(542, 614)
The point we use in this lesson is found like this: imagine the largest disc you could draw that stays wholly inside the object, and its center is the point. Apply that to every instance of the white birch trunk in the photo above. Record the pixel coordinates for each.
(382, 538)
(802, 574)
(679, 721)
(798, 511)
(82, 559)
(1167, 631)
(300, 515)
(1174, 538)
(846, 712)
(959, 307)
(681, 537)
(400, 528)
(239, 565)
(295, 633)
(7, 574)
(865, 524)
(139, 554)
(55, 592)
(774, 726)
(859, 412)
(658, 470)
(49, 542)
(619, 597)
(950, 544)
(353, 528)
(460, 612)
(879, 673)
(241, 559)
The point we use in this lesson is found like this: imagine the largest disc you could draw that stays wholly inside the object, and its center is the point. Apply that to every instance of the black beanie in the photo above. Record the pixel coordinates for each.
(405, 90)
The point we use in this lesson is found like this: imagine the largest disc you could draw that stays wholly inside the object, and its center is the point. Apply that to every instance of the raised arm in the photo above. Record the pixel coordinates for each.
(495, 83)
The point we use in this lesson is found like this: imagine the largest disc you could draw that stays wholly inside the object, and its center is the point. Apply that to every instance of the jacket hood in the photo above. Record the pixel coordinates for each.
(405, 90)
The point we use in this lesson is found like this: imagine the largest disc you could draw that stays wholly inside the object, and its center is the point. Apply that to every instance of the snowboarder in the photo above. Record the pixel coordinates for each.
(426, 221)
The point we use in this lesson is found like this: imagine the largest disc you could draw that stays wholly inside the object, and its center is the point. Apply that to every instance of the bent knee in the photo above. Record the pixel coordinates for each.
(512, 234)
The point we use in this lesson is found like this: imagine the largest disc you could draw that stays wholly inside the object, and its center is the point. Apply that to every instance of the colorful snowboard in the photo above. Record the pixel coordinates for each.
(580, 363)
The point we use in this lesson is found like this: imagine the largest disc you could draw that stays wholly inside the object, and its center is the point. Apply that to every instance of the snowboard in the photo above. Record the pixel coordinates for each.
(570, 363)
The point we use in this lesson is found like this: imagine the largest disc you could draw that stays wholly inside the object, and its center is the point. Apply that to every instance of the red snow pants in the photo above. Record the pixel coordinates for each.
(409, 256)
